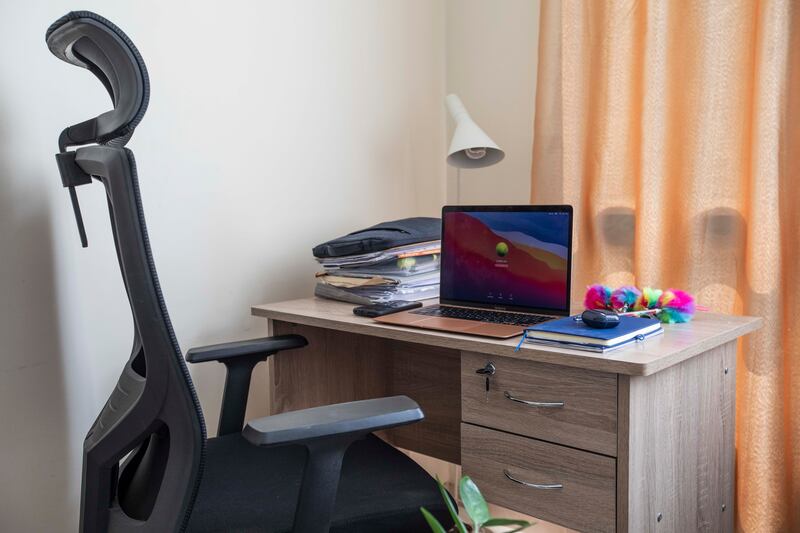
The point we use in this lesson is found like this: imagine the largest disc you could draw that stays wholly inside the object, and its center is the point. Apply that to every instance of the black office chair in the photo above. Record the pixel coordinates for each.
(147, 463)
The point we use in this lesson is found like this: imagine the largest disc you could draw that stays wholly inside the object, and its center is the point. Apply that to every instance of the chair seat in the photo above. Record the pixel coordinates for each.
(250, 489)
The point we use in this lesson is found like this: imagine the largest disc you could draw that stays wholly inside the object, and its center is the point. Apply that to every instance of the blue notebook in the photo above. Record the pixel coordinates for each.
(573, 333)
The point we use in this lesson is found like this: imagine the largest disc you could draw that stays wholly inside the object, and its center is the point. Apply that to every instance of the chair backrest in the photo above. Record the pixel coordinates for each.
(143, 456)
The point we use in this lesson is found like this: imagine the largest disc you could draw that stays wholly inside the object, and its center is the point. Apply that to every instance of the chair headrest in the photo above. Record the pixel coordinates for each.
(90, 41)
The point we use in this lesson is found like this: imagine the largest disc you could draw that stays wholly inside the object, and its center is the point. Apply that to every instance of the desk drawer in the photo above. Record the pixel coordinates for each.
(575, 489)
(555, 403)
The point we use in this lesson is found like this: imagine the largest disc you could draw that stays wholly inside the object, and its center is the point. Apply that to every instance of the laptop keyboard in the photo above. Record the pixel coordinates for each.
(482, 315)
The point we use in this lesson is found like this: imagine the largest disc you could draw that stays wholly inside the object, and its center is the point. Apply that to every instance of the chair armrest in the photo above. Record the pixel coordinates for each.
(341, 419)
(240, 358)
(327, 432)
(229, 350)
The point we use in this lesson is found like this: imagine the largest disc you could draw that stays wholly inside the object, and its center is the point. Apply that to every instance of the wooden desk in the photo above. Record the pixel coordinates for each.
(640, 439)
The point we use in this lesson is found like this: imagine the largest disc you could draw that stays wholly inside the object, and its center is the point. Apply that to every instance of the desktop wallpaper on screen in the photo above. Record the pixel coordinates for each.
(506, 258)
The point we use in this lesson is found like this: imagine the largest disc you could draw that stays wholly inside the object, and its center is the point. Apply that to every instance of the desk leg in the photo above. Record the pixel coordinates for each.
(338, 366)
(676, 446)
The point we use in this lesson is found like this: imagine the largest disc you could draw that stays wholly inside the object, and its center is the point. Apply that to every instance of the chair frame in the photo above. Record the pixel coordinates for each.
(143, 458)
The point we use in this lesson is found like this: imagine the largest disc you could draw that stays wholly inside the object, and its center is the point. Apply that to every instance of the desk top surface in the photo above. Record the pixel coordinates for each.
(678, 343)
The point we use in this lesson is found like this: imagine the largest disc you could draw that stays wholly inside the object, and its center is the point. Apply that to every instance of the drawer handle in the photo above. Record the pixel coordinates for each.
(531, 403)
(540, 486)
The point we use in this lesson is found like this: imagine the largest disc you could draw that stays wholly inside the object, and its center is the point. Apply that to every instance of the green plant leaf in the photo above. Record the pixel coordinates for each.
(508, 522)
(436, 527)
(474, 502)
(520, 528)
(460, 527)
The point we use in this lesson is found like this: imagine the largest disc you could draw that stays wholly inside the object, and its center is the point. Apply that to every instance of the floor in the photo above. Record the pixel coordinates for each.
(450, 473)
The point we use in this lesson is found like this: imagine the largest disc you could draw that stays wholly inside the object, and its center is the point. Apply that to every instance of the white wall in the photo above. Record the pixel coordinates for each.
(272, 126)
(491, 64)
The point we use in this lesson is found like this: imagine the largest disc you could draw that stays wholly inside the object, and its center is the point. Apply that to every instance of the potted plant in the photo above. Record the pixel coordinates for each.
(476, 508)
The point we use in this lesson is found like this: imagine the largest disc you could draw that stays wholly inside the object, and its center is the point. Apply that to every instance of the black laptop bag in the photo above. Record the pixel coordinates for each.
(382, 237)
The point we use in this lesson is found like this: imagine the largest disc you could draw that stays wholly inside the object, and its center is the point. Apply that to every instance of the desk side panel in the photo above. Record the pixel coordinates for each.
(678, 458)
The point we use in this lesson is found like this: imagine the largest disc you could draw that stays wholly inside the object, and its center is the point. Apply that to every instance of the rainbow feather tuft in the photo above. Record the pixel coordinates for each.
(673, 305)
(597, 297)
(676, 306)
(648, 299)
(625, 298)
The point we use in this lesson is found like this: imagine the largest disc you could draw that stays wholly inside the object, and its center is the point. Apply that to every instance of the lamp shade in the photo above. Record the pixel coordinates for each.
(470, 146)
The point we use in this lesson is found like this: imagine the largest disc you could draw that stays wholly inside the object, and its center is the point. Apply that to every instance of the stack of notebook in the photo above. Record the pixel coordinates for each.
(397, 260)
(570, 332)
(403, 273)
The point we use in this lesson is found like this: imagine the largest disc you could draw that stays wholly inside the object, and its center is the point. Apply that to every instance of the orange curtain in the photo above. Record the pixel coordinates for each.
(673, 127)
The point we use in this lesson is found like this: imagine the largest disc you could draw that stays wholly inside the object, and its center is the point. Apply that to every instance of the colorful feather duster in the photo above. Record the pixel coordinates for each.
(676, 306)
(597, 297)
(672, 306)
(648, 299)
(624, 298)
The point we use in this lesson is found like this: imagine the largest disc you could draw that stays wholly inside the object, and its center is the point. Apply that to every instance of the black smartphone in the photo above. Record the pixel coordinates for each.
(374, 310)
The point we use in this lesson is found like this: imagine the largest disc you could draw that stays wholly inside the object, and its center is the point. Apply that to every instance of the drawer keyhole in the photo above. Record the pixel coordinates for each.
(488, 370)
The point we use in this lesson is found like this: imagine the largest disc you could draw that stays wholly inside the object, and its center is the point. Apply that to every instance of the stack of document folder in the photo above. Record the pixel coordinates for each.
(571, 332)
(409, 272)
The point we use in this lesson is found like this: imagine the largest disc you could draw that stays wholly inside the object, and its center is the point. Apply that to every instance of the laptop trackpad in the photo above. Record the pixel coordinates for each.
(447, 324)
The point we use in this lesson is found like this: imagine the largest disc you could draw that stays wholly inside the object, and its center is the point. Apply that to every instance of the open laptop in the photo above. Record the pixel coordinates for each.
(503, 268)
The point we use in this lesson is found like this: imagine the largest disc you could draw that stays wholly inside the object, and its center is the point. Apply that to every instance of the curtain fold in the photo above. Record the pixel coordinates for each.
(673, 128)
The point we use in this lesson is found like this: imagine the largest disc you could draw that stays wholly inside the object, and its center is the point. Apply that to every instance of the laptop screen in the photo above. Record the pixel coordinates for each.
(507, 257)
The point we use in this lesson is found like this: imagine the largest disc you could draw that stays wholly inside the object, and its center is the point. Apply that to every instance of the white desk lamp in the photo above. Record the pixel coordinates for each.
(470, 146)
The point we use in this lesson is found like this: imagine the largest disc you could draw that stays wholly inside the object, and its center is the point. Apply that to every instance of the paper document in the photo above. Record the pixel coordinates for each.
(408, 251)
(350, 282)
(365, 297)
(400, 266)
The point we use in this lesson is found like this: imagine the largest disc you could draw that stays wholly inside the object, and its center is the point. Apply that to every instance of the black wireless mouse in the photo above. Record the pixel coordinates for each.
(600, 318)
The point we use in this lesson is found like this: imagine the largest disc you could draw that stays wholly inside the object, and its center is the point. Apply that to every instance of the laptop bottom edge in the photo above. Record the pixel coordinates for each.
(452, 325)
